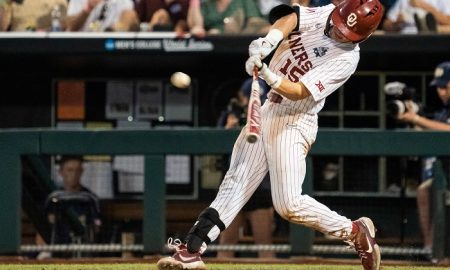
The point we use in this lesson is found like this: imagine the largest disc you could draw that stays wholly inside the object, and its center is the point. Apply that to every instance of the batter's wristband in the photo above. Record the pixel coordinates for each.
(271, 78)
(274, 36)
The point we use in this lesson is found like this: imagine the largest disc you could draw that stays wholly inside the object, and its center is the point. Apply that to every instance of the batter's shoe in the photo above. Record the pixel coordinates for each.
(363, 240)
(181, 259)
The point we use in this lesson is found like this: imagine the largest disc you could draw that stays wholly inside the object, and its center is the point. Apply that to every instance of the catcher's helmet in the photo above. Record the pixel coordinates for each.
(357, 19)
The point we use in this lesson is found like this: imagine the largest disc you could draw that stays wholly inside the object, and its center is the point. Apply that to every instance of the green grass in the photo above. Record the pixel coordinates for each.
(138, 266)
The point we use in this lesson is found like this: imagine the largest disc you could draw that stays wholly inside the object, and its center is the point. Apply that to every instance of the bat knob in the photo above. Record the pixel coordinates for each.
(252, 138)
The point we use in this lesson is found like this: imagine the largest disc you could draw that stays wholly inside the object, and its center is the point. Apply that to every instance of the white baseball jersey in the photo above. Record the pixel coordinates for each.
(289, 128)
(320, 63)
(104, 15)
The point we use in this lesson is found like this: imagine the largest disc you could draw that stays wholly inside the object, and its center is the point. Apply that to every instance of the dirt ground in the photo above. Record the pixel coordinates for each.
(154, 259)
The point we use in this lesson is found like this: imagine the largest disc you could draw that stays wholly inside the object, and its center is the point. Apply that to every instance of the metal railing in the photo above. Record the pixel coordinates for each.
(316, 249)
(155, 144)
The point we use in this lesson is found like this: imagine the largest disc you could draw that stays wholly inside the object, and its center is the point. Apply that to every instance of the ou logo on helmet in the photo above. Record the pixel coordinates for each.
(351, 19)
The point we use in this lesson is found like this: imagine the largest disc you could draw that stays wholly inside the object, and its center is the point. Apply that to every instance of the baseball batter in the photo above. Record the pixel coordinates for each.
(316, 51)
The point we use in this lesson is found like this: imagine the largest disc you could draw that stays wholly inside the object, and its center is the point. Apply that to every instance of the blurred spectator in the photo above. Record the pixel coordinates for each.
(329, 178)
(74, 200)
(441, 122)
(266, 5)
(258, 210)
(195, 18)
(315, 3)
(102, 15)
(232, 17)
(165, 15)
(413, 16)
(30, 15)
(237, 106)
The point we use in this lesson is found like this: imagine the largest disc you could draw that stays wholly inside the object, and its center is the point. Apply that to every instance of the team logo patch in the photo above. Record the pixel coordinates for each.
(320, 86)
(320, 51)
(351, 19)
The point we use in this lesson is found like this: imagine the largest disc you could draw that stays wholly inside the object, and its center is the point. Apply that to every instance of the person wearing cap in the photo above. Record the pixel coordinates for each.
(439, 122)
(235, 114)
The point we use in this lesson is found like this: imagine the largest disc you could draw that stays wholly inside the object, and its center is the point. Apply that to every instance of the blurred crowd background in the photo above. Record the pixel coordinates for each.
(198, 17)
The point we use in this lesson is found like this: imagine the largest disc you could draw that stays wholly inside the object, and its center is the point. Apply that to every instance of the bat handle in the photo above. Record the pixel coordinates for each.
(255, 73)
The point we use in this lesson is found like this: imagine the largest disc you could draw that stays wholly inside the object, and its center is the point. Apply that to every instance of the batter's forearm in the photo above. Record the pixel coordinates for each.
(293, 91)
(286, 24)
(290, 90)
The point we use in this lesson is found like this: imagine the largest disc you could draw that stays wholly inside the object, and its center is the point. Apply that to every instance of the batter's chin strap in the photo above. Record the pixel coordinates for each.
(283, 10)
(207, 219)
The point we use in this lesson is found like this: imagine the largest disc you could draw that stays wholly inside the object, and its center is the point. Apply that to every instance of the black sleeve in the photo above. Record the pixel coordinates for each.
(281, 11)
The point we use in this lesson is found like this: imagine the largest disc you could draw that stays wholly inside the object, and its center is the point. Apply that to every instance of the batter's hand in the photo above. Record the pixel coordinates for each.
(264, 72)
(251, 63)
(263, 46)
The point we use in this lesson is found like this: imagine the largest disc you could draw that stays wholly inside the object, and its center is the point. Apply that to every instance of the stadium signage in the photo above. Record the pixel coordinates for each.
(167, 45)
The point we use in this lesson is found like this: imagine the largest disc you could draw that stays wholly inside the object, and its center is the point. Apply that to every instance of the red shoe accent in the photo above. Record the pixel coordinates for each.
(363, 240)
(181, 259)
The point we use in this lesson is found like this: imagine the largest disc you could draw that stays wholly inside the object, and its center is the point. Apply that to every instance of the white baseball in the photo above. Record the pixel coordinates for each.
(180, 80)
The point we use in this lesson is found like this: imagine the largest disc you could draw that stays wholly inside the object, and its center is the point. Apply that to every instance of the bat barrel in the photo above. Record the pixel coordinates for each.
(254, 111)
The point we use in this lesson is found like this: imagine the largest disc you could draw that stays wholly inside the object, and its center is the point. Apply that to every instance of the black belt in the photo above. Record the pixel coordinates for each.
(275, 98)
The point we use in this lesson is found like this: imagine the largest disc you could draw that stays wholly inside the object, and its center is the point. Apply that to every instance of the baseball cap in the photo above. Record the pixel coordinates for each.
(441, 75)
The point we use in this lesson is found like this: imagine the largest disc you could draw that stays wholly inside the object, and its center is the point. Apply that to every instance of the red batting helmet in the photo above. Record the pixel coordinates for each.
(357, 19)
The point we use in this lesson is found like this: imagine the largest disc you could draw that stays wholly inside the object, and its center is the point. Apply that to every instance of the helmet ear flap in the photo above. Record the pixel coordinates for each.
(327, 29)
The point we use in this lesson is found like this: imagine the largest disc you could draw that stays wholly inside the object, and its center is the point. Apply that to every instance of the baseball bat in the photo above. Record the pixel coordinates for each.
(254, 111)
